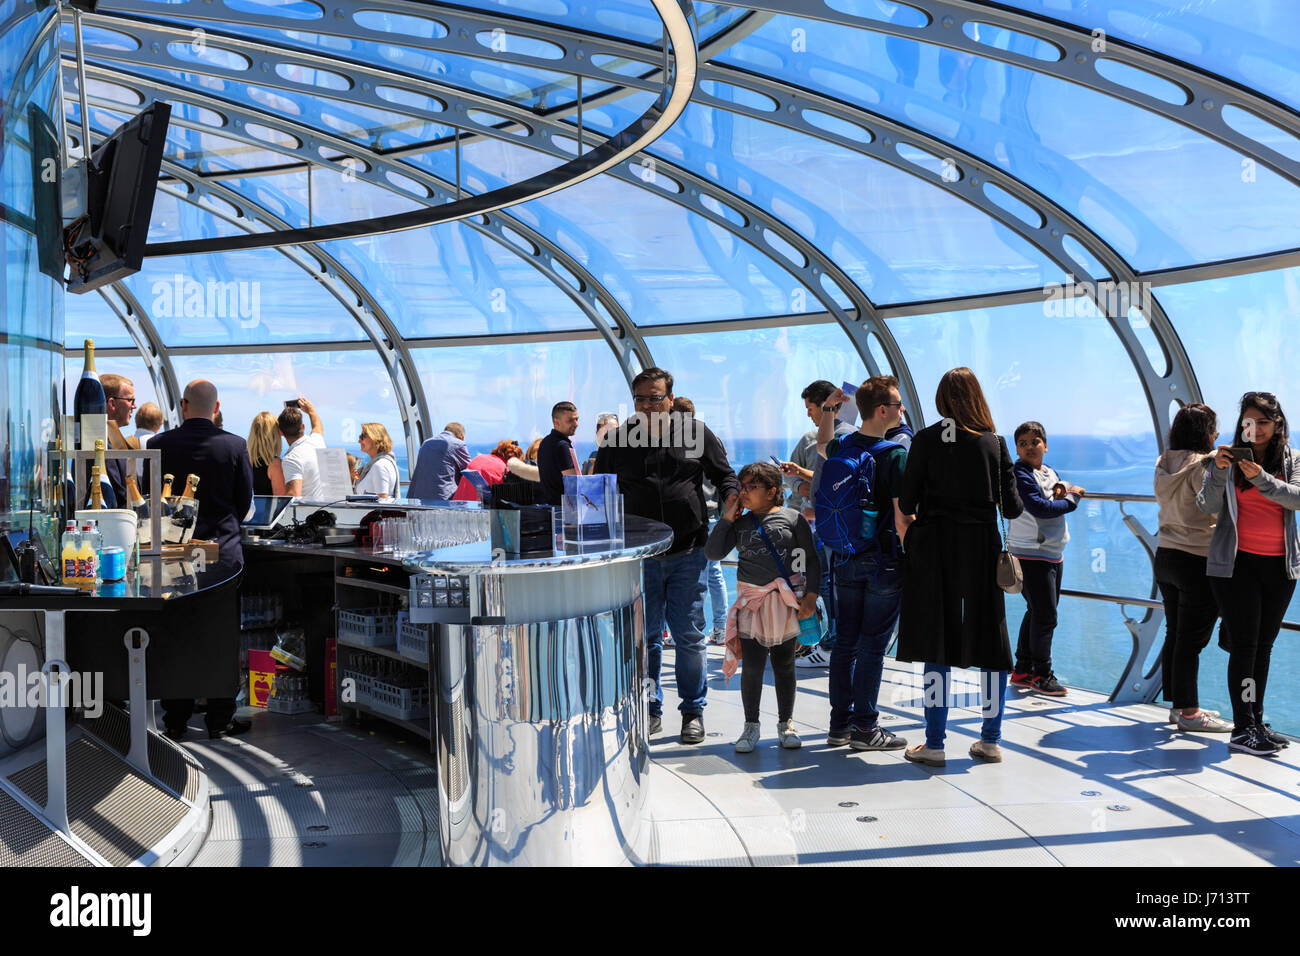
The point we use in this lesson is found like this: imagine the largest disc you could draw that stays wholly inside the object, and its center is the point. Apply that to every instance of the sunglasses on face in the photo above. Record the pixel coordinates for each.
(648, 399)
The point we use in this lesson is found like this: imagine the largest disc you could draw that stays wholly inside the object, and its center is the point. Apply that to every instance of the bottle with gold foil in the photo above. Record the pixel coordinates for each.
(96, 489)
(187, 508)
(134, 500)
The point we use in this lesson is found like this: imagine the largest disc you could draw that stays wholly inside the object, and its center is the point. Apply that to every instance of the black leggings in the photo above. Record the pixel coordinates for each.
(1252, 603)
(753, 656)
(1190, 612)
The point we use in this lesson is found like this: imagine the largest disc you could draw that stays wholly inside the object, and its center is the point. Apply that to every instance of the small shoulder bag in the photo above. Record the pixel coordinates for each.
(1010, 576)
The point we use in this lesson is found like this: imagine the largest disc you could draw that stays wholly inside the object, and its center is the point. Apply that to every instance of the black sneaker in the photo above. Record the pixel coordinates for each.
(692, 728)
(1047, 684)
(656, 725)
(1278, 740)
(838, 738)
(1252, 741)
(877, 738)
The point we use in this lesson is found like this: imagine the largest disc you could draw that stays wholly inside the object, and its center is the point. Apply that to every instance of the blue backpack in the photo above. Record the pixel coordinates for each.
(843, 497)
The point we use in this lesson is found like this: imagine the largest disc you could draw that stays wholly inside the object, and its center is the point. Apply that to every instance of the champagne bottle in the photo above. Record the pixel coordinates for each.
(103, 479)
(167, 486)
(187, 509)
(89, 405)
(96, 492)
(134, 500)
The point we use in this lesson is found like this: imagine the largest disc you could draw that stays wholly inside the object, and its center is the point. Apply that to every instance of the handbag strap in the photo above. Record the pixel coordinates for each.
(776, 556)
(998, 481)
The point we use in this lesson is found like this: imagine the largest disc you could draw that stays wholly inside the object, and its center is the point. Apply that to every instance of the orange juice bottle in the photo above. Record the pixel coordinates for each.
(87, 559)
(68, 556)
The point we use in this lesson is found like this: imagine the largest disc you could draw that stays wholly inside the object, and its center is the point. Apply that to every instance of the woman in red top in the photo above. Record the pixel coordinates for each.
(1254, 556)
(493, 467)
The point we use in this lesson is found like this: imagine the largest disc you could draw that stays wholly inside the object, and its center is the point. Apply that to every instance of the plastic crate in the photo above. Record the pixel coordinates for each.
(404, 703)
(279, 705)
(374, 627)
(413, 641)
(361, 683)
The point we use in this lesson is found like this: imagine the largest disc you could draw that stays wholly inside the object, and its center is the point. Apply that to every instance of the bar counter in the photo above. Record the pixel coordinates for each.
(536, 671)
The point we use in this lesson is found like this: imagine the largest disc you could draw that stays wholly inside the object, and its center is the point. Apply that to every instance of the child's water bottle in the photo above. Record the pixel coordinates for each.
(869, 519)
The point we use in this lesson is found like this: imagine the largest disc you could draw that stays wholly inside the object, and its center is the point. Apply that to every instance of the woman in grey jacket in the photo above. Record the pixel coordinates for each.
(1254, 557)
(1184, 541)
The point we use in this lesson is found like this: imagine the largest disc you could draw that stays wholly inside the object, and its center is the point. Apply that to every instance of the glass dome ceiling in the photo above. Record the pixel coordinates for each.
(856, 186)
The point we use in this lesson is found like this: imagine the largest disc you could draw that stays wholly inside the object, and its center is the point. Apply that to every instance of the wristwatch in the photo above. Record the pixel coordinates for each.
(830, 408)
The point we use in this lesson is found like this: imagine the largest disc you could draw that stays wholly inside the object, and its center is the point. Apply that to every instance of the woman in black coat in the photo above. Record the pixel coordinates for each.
(952, 614)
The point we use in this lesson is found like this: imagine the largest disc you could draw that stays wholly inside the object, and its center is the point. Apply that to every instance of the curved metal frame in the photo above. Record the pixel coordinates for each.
(677, 16)
(1207, 93)
(539, 131)
(630, 349)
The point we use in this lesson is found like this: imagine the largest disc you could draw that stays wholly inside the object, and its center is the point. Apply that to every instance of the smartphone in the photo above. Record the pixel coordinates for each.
(291, 403)
(776, 461)
(1242, 453)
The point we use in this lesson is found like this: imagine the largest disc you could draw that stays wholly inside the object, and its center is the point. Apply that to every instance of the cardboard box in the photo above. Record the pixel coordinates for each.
(261, 677)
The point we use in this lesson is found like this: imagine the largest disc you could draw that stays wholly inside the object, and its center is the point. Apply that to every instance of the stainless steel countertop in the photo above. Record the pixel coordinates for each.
(643, 538)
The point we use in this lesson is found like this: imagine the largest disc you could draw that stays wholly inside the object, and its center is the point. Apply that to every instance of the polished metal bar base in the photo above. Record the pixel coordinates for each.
(542, 740)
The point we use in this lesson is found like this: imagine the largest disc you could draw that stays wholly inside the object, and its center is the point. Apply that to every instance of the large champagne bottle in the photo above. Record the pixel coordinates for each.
(89, 406)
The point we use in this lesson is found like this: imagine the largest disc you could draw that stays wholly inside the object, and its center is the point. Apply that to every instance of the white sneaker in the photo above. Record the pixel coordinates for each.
(668, 641)
(718, 636)
(748, 739)
(789, 739)
(817, 657)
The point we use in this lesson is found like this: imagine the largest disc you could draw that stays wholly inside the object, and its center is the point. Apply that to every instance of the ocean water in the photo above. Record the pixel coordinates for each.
(1093, 642)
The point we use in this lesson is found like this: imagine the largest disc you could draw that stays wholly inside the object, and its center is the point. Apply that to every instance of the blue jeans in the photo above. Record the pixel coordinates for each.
(717, 584)
(869, 596)
(674, 590)
(827, 591)
(936, 693)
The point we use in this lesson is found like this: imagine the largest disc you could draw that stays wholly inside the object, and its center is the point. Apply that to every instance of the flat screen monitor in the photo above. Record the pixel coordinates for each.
(266, 510)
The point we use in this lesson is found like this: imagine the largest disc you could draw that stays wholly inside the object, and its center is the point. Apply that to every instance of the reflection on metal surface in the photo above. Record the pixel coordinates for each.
(542, 741)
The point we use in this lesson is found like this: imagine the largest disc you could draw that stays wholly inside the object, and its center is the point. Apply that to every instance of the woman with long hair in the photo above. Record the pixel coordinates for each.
(1183, 537)
(958, 476)
(379, 476)
(264, 453)
(1254, 556)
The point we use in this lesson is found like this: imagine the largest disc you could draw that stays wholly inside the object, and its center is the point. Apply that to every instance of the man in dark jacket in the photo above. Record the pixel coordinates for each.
(661, 460)
(225, 494)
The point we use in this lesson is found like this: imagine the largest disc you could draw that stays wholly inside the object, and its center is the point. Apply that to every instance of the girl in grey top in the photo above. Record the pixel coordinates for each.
(791, 537)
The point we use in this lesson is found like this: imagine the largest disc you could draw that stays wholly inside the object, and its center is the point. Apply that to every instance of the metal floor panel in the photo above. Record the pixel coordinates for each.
(27, 841)
(350, 805)
(389, 849)
(173, 767)
(114, 810)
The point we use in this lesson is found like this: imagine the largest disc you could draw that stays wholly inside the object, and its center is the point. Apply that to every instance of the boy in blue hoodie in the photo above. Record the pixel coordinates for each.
(1038, 539)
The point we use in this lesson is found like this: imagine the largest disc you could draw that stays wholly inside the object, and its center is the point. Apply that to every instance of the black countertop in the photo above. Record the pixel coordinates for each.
(151, 585)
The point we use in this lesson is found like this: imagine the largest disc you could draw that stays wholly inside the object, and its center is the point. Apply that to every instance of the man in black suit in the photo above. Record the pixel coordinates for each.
(225, 494)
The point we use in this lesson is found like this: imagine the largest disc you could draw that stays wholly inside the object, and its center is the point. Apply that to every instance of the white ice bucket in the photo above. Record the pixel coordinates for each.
(117, 525)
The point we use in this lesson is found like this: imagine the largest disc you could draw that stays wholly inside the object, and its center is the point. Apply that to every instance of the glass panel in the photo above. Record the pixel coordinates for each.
(514, 386)
(31, 293)
(88, 316)
(453, 280)
(525, 85)
(753, 405)
(1099, 436)
(898, 237)
(348, 388)
(1159, 192)
(1252, 42)
(230, 298)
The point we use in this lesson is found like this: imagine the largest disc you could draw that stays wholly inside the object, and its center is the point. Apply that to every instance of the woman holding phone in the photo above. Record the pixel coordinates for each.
(1254, 559)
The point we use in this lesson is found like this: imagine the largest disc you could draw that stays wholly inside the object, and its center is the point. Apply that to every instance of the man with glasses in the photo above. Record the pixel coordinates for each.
(120, 393)
(661, 460)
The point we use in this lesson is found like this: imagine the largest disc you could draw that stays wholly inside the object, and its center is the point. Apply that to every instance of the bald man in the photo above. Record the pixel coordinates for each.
(225, 493)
